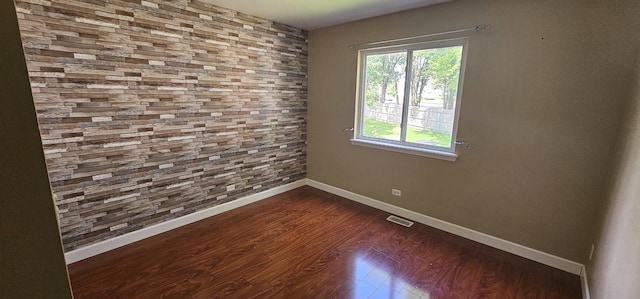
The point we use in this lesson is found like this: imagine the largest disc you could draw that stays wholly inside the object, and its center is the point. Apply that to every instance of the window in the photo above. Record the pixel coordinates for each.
(409, 97)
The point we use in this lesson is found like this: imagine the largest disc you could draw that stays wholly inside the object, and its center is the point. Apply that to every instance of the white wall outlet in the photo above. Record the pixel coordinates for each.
(593, 247)
(396, 192)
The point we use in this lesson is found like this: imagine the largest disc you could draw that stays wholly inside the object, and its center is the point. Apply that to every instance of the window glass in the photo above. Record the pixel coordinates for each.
(384, 95)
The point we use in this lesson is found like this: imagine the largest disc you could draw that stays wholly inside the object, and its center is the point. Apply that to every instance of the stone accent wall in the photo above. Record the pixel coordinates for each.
(150, 110)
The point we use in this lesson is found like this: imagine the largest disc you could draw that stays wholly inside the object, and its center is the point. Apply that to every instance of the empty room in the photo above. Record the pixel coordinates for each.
(320, 149)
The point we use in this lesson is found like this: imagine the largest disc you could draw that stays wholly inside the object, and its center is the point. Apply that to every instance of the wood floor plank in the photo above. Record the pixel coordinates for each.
(307, 243)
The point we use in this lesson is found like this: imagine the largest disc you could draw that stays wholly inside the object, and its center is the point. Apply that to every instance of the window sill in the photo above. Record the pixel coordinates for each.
(430, 153)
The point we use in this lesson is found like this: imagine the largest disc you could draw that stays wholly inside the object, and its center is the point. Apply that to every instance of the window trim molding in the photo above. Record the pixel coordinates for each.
(430, 151)
(399, 148)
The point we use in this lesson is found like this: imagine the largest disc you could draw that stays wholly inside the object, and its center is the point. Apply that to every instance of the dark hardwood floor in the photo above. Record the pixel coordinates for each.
(307, 243)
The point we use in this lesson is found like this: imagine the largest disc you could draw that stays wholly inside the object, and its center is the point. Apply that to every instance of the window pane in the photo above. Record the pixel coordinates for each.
(434, 88)
(383, 95)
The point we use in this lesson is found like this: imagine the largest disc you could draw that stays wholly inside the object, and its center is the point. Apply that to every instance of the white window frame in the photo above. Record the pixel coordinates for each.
(438, 152)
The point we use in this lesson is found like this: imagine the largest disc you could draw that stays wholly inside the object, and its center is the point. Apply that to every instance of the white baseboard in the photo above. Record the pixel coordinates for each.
(585, 283)
(119, 241)
(517, 249)
(508, 246)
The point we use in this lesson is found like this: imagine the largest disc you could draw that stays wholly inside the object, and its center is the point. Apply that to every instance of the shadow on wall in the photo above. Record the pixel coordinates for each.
(31, 257)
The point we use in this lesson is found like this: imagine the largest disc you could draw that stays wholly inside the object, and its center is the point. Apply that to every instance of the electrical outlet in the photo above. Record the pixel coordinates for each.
(396, 192)
(593, 247)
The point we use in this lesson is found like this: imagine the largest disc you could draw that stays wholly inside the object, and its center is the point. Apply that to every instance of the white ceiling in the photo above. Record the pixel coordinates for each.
(314, 14)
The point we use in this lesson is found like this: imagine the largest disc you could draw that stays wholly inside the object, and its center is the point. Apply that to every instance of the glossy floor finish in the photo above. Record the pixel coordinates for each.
(307, 243)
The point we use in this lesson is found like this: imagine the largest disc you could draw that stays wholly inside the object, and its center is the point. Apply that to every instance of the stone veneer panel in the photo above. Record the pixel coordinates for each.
(150, 110)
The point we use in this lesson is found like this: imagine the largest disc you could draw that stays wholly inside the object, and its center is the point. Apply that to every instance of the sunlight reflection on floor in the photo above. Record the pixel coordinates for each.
(375, 281)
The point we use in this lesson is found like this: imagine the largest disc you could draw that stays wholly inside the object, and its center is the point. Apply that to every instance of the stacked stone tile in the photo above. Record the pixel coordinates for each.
(151, 110)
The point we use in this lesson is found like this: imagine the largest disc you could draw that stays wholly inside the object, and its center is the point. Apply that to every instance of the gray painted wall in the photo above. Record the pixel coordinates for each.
(614, 271)
(544, 93)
